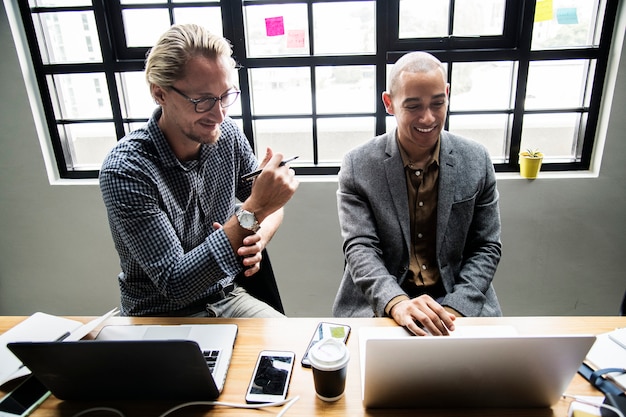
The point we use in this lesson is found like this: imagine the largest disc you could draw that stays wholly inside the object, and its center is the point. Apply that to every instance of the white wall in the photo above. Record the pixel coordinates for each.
(563, 239)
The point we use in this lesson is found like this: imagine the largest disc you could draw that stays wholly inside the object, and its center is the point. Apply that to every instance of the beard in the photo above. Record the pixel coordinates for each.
(207, 138)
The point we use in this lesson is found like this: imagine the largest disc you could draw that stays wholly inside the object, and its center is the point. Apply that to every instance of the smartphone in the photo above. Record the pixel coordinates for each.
(325, 329)
(24, 398)
(271, 377)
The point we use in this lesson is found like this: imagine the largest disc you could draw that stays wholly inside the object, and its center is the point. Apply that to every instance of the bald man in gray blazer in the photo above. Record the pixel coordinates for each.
(419, 214)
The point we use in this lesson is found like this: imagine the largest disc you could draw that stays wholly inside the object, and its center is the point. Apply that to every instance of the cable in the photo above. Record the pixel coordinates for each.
(91, 410)
(600, 405)
(288, 403)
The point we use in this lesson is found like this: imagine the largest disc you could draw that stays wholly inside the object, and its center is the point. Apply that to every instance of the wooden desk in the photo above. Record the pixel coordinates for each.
(294, 334)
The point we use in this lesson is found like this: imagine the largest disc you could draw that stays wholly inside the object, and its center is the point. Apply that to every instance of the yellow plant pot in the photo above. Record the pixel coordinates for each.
(529, 166)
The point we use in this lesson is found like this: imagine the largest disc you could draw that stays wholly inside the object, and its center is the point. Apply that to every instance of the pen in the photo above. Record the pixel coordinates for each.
(63, 337)
(256, 173)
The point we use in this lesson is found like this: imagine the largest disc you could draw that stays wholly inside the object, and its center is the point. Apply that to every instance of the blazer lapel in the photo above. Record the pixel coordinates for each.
(447, 184)
(394, 171)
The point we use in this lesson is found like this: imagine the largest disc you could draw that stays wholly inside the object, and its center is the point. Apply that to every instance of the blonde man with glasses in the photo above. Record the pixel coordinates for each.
(171, 188)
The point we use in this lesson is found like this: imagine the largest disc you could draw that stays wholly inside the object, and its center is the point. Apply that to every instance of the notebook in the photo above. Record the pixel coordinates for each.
(483, 369)
(135, 362)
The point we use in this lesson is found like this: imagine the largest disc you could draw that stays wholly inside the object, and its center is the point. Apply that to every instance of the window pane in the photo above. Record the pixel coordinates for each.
(239, 123)
(142, 1)
(87, 144)
(555, 134)
(568, 23)
(488, 129)
(557, 84)
(288, 136)
(479, 17)
(129, 127)
(336, 136)
(135, 99)
(67, 37)
(344, 28)
(482, 85)
(209, 17)
(280, 90)
(138, 33)
(276, 30)
(58, 3)
(346, 89)
(423, 18)
(80, 96)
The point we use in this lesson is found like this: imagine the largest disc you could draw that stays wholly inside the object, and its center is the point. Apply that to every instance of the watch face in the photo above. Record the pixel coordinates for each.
(247, 219)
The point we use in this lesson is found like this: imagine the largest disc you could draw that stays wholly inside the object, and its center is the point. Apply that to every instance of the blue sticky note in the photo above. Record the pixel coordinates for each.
(567, 16)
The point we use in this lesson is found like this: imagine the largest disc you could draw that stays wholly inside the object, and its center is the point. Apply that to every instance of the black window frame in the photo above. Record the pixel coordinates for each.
(514, 45)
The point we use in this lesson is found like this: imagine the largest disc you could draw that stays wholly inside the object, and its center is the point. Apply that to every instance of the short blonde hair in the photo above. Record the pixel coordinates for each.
(413, 62)
(166, 61)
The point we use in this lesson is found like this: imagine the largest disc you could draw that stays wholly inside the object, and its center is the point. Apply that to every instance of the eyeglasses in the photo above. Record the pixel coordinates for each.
(203, 105)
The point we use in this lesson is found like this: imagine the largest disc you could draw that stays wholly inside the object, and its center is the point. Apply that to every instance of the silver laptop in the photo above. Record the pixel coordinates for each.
(486, 368)
(216, 341)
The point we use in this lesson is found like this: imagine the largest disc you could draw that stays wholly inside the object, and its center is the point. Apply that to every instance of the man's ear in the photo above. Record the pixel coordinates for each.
(157, 94)
(387, 102)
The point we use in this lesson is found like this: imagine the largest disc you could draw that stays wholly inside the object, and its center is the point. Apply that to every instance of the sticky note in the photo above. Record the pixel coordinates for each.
(567, 16)
(274, 26)
(543, 10)
(337, 332)
(295, 39)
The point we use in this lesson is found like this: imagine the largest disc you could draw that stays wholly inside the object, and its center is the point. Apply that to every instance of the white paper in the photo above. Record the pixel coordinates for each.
(606, 352)
(86, 328)
(37, 328)
(41, 327)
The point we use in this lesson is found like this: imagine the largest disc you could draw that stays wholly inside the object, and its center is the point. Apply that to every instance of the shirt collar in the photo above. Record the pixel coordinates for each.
(434, 159)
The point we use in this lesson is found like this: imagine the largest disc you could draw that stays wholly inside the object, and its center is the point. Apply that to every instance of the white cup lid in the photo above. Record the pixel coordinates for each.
(329, 354)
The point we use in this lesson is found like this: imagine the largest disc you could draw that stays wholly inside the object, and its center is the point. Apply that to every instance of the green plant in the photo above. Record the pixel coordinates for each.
(533, 153)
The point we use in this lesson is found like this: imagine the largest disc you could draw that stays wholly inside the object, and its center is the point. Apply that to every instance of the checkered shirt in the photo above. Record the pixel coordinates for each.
(161, 213)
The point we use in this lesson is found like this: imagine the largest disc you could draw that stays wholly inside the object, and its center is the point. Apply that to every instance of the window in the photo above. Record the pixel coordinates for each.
(523, 73)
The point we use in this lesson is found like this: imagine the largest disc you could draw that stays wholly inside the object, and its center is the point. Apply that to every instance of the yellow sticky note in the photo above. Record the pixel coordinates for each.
(337, 332)
(543, 10)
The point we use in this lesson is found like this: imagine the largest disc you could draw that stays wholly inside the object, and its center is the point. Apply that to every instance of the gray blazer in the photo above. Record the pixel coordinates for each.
(375, 226)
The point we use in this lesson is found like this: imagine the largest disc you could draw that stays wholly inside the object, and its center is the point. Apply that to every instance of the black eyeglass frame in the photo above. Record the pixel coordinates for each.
(197, 101)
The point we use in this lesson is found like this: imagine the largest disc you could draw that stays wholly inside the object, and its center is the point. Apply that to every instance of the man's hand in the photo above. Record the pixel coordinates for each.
(250, 252)
(270, 192)
(273, 188)
(421, 315)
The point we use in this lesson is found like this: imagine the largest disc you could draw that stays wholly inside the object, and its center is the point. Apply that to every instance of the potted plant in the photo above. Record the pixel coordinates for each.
(530, 163)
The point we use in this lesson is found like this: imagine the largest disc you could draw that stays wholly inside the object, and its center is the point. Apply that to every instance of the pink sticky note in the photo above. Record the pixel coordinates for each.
(295, 39)
(274, 26)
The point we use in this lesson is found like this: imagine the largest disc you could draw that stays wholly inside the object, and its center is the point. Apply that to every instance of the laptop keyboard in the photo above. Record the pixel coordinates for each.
(211, 358)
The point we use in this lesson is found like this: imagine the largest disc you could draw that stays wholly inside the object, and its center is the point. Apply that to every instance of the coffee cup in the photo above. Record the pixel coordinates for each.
(329, 362)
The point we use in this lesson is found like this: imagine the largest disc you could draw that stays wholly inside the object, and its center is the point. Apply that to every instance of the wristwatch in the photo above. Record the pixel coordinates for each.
(247, 220)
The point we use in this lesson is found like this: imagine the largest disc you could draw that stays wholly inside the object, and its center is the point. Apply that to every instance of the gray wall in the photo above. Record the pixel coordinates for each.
(563, 239)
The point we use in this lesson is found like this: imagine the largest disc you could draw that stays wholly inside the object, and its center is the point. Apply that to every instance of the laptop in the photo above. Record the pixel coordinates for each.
(482, 369)
(135, 362)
